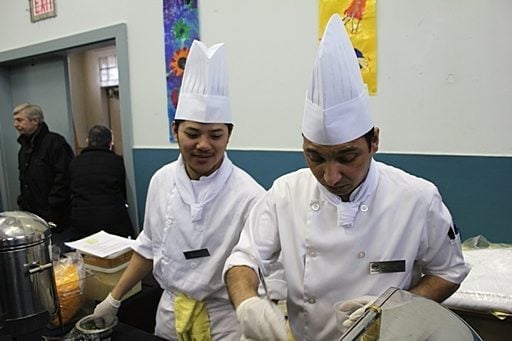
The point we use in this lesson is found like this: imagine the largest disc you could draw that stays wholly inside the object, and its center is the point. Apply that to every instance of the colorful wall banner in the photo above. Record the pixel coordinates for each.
(359, 17)
(181, 27)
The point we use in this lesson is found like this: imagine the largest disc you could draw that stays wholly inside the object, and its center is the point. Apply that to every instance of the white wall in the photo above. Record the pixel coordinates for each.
(444, 80)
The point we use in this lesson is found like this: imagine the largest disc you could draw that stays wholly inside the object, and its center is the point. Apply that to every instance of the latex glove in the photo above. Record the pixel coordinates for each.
(347, 312)
(106, 310)
(260, 319)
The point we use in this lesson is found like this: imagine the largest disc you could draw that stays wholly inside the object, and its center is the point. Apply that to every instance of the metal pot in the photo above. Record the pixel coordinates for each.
(91, 330)
(28, 297)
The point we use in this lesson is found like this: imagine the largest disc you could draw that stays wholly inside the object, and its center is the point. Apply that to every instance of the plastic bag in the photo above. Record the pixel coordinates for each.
(480, 242)
(69, 274)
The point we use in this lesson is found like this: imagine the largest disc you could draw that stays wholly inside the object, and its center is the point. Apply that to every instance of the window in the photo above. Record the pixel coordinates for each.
(108, 71)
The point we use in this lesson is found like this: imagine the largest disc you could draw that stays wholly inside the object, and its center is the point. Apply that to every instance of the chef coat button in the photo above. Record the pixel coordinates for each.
(361, 254)
(315, 206)
(363, 208)
(311, 301)
(312, 253)
(193, 264)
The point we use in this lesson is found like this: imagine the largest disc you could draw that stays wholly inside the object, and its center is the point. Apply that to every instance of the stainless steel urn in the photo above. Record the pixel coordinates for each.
(27, 287)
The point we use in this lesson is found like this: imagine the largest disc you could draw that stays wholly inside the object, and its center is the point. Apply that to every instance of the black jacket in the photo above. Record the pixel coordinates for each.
(43, 164)
(98, 187)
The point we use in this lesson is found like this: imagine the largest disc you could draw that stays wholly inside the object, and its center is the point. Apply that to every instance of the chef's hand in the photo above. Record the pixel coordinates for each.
(347, 312)
(106, 310)
(261, 319)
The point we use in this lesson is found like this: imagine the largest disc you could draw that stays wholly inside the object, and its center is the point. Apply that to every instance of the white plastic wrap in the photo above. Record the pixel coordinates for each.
(488, 287)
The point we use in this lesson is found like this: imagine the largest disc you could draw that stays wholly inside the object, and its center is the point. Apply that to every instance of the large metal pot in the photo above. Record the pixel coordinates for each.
(28, 297)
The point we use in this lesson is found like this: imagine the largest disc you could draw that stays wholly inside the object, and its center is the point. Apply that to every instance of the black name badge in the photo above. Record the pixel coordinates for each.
(387, 266)
(191, 254)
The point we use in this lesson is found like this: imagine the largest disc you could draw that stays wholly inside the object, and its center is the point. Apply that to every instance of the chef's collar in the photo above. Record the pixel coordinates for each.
(199, 193)
(367, 187)
(361, 192)
(359, 198)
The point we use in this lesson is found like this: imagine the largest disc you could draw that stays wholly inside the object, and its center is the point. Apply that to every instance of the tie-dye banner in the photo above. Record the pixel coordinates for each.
(181, 27)
(359, 17)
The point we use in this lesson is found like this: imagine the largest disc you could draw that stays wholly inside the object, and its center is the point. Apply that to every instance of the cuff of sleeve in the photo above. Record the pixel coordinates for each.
(143, 246)
(233, 261)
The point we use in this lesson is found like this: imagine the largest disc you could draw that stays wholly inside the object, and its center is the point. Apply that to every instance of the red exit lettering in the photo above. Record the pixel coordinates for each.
(42, 6)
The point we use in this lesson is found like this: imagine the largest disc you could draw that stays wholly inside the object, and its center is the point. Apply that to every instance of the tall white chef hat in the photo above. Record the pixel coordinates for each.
(337, 106)
(204, 89)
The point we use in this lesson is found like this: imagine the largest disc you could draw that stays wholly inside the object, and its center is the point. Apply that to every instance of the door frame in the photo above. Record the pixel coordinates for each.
(118, 33)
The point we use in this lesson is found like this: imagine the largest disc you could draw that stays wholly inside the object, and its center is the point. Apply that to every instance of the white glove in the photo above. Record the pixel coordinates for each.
(260, 319)
(106, 310)
(347, 312)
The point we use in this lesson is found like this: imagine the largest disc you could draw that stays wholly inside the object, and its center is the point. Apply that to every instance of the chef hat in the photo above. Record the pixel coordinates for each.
(337, 106)
(204, 89)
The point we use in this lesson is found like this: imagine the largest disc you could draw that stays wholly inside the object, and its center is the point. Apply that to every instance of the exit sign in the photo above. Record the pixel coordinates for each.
(42, 9)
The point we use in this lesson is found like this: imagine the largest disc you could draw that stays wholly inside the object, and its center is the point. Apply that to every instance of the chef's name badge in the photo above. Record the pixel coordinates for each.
(387, 266)
(199, 253)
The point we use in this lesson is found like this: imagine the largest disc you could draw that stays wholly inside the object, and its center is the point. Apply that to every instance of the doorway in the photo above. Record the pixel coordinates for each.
(40, 74)
(94, 93)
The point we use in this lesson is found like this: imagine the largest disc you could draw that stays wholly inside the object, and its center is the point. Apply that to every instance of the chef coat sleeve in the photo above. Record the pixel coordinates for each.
(276, 282)
(259, 245)
(441, 254)
(153, 217)
(143, 246)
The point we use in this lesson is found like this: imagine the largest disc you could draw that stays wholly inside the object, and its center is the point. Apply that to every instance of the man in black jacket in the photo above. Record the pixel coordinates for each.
(98, 188)
(43, 163)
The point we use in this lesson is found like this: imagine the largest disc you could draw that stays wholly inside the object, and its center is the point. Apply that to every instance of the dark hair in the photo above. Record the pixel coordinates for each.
(369, 137)
(229, 125)
(100, 137)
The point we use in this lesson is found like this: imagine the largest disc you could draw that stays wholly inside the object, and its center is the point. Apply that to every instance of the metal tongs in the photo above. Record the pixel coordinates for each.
(371, 314)
(264, 284)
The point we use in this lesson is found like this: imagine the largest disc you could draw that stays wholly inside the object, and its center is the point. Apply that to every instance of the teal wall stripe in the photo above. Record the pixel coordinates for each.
(476, 189)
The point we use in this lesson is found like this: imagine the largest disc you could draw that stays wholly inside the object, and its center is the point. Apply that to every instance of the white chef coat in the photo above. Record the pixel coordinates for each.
(326, 259)
(175, 222)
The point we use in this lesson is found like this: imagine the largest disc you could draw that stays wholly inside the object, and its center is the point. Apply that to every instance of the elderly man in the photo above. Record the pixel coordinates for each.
(43, 162)
(348, 227)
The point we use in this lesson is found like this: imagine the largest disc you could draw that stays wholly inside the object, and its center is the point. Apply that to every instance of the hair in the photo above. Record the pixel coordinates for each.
(34, 112)
(369, 137)
(229, 125)
(100, 137)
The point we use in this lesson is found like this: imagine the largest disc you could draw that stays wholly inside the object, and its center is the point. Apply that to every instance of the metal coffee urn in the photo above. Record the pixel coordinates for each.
(28, 298)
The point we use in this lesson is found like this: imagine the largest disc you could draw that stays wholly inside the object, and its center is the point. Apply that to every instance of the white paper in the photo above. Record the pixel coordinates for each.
(487, 287)
(102, 244)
